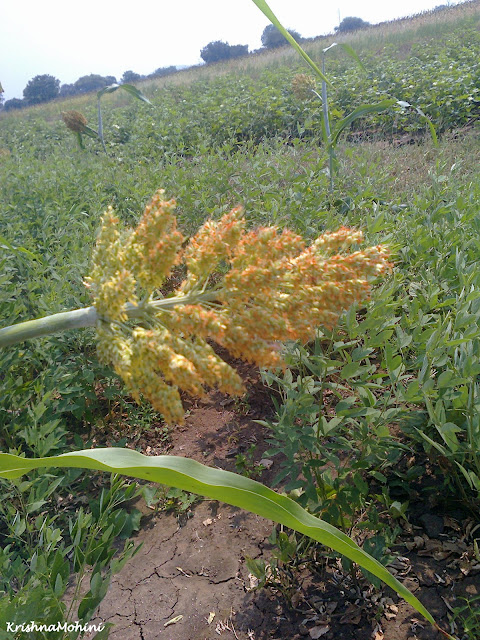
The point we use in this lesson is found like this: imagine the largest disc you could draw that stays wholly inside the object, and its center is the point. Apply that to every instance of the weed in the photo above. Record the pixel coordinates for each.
(245, 463)
(467, 617)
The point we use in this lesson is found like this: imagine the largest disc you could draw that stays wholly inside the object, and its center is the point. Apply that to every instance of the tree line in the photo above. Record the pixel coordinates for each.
(43, 88)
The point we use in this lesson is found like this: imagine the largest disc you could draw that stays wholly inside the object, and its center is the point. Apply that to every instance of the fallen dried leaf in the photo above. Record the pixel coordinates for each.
(352, 615)
(377, 633)
(330, 607)
(253, 582)
(465, 567)
(210, 618)
(451, 523)
(419, 542)
(173, 621)
(318, 632)
(264, 462)
(207, 522)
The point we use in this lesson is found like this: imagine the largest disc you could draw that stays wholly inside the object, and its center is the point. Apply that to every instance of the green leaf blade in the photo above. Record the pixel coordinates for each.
(265, 9)
(216, 484)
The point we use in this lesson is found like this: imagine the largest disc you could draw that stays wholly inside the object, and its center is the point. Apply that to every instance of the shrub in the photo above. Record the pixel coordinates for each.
(41, 89)
(272, 38)
(92, 82)
(218, 50)
(351, 24)
(130, 76)
(14, 103)
(67, 90)
(163, 71)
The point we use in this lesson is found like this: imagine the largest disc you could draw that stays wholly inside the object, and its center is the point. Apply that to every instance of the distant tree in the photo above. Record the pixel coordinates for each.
(41, 89)
(218, 50)
(92, 82)
(110, 80)
(1, 95)
(67, 90)
(129, 77)
(351, 24)
(272, 38)
(238, 50)
(163, 71)
(14, 103)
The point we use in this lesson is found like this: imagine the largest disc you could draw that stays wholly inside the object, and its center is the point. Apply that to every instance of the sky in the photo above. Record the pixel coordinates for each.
(70, 40)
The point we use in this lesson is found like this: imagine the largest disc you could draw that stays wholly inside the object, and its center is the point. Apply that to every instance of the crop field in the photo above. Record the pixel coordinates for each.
(371, 426)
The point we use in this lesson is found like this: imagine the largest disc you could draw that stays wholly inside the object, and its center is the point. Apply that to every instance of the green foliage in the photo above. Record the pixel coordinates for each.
(35, 571)
(129, 88)
(163, 71)
(90, 83)
(41, 89)
(273, 38)
(218, 50)
(189, 475)
(467, 617)
(350, 23)
(289, 553)
(130, 76)
(14, 103)
(334, 450)
(244, 137)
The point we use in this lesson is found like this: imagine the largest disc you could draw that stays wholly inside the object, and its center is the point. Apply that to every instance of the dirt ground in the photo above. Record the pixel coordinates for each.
(190, 581)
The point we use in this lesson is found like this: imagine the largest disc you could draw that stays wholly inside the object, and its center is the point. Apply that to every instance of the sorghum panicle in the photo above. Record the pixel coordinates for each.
(302, 85)
(74, 120)
(274, 289)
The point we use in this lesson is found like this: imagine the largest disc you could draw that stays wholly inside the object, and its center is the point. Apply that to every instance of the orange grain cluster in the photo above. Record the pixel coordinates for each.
(74, 120)
(274, 289)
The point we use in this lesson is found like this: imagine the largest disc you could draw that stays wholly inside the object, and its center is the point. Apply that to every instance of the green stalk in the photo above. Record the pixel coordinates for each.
(88, 317)
(77, 319)
(100, 125)
(326, 120)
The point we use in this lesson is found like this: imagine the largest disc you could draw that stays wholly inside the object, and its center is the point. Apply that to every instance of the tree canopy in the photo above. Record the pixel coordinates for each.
(218, 50)
(92, 82)
(14, 103)
(130, 76)
(41, 88)
(272, 38)
(351, 23)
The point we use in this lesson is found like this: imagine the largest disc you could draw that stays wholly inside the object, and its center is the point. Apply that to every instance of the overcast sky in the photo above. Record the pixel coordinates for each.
(73, 39)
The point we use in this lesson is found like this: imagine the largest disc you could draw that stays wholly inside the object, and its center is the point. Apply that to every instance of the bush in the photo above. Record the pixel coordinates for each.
(41, 89)
(67, 90)
(130, 76)
(272, 38)
(93, 82)
(351, 24)
(14, 103)
(163, 71)
(218, 50)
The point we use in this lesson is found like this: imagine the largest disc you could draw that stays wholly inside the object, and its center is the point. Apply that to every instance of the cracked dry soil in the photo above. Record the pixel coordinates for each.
(189, 581)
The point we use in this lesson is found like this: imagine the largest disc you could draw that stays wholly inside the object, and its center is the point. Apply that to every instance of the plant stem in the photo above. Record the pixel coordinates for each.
(100, 125)
(326, 119)
(65, 321)
(88, 317)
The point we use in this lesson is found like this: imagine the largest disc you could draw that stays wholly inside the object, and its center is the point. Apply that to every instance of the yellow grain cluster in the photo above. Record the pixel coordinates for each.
(302, 85)
(273, 289)
(74, 120)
